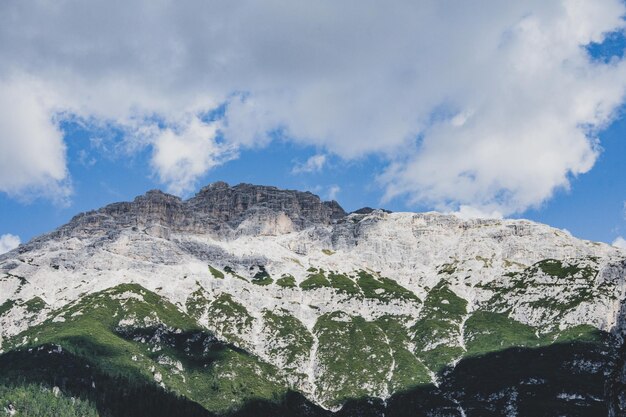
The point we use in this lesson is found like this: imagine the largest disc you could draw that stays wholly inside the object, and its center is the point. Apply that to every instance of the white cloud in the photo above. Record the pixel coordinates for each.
(182, 155)
(333, 191)
(32, 151)
(313, 164)
(85, 159)
(491, 109)
(620, 242)
(8, 242)
(468, 212)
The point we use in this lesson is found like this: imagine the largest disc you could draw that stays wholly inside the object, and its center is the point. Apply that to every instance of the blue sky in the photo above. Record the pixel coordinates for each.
(419, 106)
(593, 208)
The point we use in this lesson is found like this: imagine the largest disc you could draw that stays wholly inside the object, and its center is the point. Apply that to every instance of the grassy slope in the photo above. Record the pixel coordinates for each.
(41, 401)
(436, 334)
(155, 343)
(352, 354)
(393, 353)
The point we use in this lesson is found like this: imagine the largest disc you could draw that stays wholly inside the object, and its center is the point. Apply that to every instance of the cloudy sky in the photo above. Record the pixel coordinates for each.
(486, 108)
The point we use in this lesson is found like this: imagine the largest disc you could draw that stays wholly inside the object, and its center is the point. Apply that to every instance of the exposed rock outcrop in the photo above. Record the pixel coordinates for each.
(217, 209)
(357, 305)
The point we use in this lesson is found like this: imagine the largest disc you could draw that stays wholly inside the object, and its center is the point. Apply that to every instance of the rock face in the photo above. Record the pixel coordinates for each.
(368, 313)
(218, 210)
(231, 205)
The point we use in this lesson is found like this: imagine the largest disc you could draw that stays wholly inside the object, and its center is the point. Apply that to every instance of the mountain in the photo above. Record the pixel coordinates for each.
(256, 301)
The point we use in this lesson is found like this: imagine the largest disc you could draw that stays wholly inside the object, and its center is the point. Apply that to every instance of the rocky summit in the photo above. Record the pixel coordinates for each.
(256, 301)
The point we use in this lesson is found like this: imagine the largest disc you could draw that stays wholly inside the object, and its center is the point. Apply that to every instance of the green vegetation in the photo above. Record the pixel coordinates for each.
(22, 281)
(197, 303)
(216, 273)
(291, 341)
(230, 318)
(353, 354)
(328, 252)
(127, 339)
(91, 325)
(232, 272)
(383, 289)
(488, 332)
(316, 279)
(262, 277)
(582, 333)
(492, 332)
(344, 284)
(556, 269)
(39, 401)
(6, 306)
(437, 333)
(35, 305)
(116, 347)
(286, 281)
(554, 287)
(366, 286)
(408, 370)
(560, 306)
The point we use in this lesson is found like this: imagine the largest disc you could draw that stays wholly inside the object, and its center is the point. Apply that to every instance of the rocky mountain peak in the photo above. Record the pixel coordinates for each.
(233, 204)
(218, 185)
(497, 317)
(157, 196)
(217, 209)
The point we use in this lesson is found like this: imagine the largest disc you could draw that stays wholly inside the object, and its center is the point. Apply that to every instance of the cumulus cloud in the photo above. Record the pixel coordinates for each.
(620, 242)
(491, 109)
(182, 155)
(8, 242)
(313, 164)
(333, 191)
(32, 151)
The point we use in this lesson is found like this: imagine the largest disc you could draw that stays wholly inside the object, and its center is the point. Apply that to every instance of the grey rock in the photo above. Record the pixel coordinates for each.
(232, 205)
(217, 209)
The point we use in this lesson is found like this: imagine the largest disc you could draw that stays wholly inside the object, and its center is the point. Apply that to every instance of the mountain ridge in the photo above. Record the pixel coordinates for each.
(216, 208)
(344, 306)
